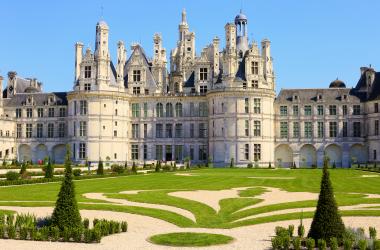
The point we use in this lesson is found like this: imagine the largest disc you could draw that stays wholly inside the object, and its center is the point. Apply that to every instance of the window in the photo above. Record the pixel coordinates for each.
(18, 131)
(87, 86)
(257, 152)
(356, 110)
(246, 152)
(202, 152)
(191, 152)
(50, 130)
(344, 109)
(255, 68)
(296, 129)
(295, 110)
(87, 71)
(159, 155)
(18, 113)
(74, 128)
(159, 130)
(135, 110)
(333, 129)
(116, 112)
(28, 130)
(178, 130)
(202, 130)
(203, 112)
(307, 110)
(255, 84)
(40, 112)
(115, 133)
(357, 129)
(178, 109)
(283, 110)
(345, 129)
(246, 127)
(136, 75)
(192, 130)
(136, 90)
(145, 130)
(257, 128)
(82, 128)
(83, 107)
(178, 152)
(246, 105)
(257, 105)
(376, 127)
(192, 109)
(203, 89)
(62, 112)
(374, 154)
(145, 155)
(135, 152)
(244, 85)
(82, 150)
(145, 109)
(135, 131)
(51, 112)
(169, 110)
(160, 110)
(308, 130)
(29, 112)
(75, 108)
(284, 129)
(320, 109)
(61, 130)
(321, 129)
(376, 107)
(168, 130)
(332, 110)
(203, 74)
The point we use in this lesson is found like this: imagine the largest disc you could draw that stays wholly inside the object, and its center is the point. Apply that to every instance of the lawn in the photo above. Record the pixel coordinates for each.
(349, 185)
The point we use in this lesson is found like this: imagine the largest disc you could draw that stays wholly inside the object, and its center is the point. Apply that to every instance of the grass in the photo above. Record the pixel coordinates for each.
(190, 239)
(157, 188)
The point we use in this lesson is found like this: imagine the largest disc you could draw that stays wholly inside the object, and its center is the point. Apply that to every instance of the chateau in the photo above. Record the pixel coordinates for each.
(219, 104)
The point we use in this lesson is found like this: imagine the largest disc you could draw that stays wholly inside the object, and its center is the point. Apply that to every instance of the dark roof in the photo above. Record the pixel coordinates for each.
(311, 95)
(375, 94)
(337, 84)
(240, 74)
(190, 81)
(39, 99)
(360, 89)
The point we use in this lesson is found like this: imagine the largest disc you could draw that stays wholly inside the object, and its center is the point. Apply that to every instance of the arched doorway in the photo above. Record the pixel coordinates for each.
(59, 152)
(334, 153)
(24, 153)
(283, 155)
(308, 156)
(358, 153)
(41, 152)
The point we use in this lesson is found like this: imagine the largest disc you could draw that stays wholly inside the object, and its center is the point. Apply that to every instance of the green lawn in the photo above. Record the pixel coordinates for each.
(190, 239)
(158, 185)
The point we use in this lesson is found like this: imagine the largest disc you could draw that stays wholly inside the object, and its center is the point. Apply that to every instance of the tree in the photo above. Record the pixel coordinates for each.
(49, 170)
(158, 166)
(134, 168)
(100, 170)
(327, 222)
(232, 163)
(66, 212)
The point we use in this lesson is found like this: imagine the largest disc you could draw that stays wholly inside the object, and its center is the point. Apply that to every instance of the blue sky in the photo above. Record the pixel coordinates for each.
(313, 42)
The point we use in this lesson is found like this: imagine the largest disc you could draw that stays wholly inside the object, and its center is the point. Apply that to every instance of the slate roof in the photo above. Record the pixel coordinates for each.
(240, 74)
(190, 81)
(362, 83)
(311, 95)
(39, 99)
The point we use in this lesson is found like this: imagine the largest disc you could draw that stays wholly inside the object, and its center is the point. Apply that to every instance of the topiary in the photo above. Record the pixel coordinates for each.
(334, 244)
(232, 163)
(134, 168)
(77, 172)
(297, 243)
(372, 233)
(100, 170)
(86, 223)
(322, 244)
(158, 167)
(310, 244)
(54, 233)
(276, 243)
(96, 235)
(327, 222)
(49, 170)
(66, 212)
(117, 169)
(12, 176)
(291, 230)
(250, 165)
(124, 226)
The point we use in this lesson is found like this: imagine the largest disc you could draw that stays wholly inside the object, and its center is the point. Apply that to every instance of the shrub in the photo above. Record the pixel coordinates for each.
(12, 176)
(100, 170)
(276, 243)
(310, 243)
(232, 163)
(86, 223)
(347, 244)
(285, 242)
(10, 220)
(301, 230)
(297, 243)
(134, 168)
(117, 169)
(327, 222)
(23, 169)
(291, 230)
(77, 234)
(23, 233)
(49, 170)
(11, 232)
(96, 235)
(66, 233)
(362, 244)
(2, 230)
(54, 233)
(95, 222)
(250, 165)
(376, 245)
(87, 235)
(175, 166)
(158, 167)
(77, 172)
(333, 244)
(124, 226)
(322, 244)
(372, 233)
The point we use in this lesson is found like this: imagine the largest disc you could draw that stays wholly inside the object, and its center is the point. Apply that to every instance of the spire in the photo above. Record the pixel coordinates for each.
(184, 17)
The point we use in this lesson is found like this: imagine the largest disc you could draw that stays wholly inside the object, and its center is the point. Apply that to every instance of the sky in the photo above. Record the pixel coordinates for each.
(313, 42)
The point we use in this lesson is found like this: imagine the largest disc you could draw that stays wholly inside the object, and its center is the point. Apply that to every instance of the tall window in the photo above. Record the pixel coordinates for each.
(145, 130)
(160, 110)
(376, 107)
(192, 130)
(256, 128)
(202, 130)
(257, 105)
(257, 152)
(82, 128)
(202, 152)
(136, 90)
(203, 89)
(178, 109)
(320, 130)
(307, 110)
(168, 130)
(18, 113)
(62, 112)
(159, 130)
(40, 112)
(135, 110)
(376, 132)
(169, 110)
(284, 129)
(40, 128)
(83, 107)
(246, 152)
(320, 109)
(178, 130)
(145, 109)
(332, 110)
(296, 129)
(255, 68)
(159, 155)
(19, 131)
(356, 110)
(61, 130)
(51, 112)
(136, 75)
(308, 130)
(203, 112)
(29, 112)
(145, 155)
(246, 127)
(357, 129)
(345, 129)
(50, 130)
(135, 152)
(344, 109)
(178, 152)
(87, 71)
(192, 109)
(28, 130)
(82, 150)
(203, 74)
(135, 131)
(333, 129)
(246, 105)
(295, 110)
(283, 110)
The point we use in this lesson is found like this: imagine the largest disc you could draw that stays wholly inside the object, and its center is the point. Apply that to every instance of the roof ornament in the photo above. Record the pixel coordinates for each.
(184, 16)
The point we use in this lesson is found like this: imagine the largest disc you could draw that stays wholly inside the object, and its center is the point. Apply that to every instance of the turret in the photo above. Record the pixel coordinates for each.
(241, 24)
(12, 83)
(78, 59)
(183, 26)
(267, 60)
(230, 65)
(102, 56)
(157, 48)
(121, 60)
(215, 48)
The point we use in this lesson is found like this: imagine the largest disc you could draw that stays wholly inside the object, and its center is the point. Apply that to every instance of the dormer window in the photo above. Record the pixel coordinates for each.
(87, 72)
(319, 97)
(203, 74)
(87, 86)
(136, 90)
(255, 68)
(295, 97)
(136, 75)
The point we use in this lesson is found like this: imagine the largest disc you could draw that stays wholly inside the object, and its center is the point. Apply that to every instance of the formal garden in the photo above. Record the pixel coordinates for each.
(191, 206)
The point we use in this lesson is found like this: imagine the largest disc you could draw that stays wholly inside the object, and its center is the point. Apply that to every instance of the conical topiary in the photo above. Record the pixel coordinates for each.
(66, 213)
(49, 171)
(100, 170)
(134, 168)
(327, 222)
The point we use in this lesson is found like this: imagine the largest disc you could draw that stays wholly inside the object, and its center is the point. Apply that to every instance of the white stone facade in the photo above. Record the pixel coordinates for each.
(218, 105)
